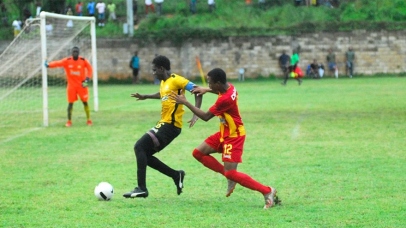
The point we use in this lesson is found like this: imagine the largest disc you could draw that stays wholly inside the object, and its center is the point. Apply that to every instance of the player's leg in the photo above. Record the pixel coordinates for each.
(69, 112)
(141, 148)
(84, 96)
(163, 136)
(72, 97)
(202, 153)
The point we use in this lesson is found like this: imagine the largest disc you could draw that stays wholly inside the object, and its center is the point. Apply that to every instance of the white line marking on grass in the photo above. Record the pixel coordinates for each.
(296, 129)
(20, 135)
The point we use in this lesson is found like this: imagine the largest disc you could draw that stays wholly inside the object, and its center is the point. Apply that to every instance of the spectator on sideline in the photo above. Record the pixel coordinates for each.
(159, 6)
(79, 9)
(229, 140)
(314, 69)
(331, 62)
(284, 60)
(101, 13)
(212, 5)
(294, 61)
(135, 66)
(112, 11)
(193, 8)
(78, 73)
(17, 24)
(165, 131)
(38, 9)
(91, 8)
(150, 6)
(349, 57)
(69, 12)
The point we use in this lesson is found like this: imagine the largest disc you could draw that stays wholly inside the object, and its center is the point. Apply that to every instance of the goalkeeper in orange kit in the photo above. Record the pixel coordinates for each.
(78, 73)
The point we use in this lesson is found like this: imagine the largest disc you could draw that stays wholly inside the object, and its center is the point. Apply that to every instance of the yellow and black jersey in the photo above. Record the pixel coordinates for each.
(172, 112)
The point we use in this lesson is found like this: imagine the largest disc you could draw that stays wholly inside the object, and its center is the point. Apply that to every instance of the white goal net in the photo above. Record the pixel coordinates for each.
(30, 94)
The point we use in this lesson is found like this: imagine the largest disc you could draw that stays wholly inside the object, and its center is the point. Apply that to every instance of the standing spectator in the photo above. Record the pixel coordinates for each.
(91, 8)
(349, 57)
(165, 130)
(17, 24)
(332, 65)
(193, 8)
(79, 9)
(159, 6)
(101, 12)
(38, 9)
(212, 5)
(27, 15)
(112, 11)
(78, 72)
(69, 12)
(294, 61)
(284, 61)
(135, 66)
(229, 140)
(150, 6)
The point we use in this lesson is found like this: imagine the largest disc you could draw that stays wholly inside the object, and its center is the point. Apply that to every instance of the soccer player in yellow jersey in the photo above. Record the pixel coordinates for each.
(229, 140)
(166, 130)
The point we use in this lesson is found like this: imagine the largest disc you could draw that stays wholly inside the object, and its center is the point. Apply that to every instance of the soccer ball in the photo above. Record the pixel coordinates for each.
(104, 191)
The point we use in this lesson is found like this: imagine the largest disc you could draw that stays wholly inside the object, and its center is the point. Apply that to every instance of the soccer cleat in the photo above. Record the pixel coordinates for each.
(230, 187)
(137, 192)
(271, 199)
(68, 124)
(179, 181)
(89, 123)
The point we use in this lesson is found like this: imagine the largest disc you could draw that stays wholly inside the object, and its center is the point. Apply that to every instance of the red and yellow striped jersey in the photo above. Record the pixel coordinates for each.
(226, 109)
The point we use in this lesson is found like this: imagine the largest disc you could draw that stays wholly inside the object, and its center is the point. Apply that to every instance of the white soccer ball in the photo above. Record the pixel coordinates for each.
(104, 191)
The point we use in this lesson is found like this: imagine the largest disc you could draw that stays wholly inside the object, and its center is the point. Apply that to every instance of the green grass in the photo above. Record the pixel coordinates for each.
(334, 149)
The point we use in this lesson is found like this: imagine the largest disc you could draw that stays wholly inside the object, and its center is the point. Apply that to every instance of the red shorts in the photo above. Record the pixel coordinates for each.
(231, 148)
(73, 93)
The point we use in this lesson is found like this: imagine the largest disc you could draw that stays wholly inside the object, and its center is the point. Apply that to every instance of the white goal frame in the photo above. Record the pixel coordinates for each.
(43, 16)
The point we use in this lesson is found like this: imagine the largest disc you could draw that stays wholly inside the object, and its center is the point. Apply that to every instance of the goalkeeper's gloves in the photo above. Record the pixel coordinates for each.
(46, 64)
(85, 83)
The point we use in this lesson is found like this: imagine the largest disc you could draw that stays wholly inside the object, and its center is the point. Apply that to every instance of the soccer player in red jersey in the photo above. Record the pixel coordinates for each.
(229, 140)
(78, 71)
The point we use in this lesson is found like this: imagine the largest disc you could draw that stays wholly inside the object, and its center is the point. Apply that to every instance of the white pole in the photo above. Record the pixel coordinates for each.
(94, 65)
(130, 18)
(44, 70)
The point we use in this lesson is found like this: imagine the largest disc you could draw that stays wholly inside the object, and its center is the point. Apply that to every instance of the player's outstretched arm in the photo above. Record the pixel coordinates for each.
(143, 97)
(181, 99)
(198, 104)
(198, 90)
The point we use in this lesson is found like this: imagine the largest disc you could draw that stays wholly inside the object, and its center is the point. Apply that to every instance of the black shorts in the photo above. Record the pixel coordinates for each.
(163, 134)
(135, 72)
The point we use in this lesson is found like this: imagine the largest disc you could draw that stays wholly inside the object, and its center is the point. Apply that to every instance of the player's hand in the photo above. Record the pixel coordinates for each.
(138, 96)
(85, 83)
(46, 64)
(179, 99)
(193, 121)
(199, 90)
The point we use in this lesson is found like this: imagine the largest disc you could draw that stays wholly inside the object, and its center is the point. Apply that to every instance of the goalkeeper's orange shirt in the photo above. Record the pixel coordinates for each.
(76, 70)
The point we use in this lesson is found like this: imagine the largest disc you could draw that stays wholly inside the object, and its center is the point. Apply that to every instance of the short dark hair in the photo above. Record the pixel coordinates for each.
(218, 75)
(162, 61)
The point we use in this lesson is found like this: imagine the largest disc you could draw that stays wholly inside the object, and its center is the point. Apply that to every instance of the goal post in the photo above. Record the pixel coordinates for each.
(44, 52)
(31, 95)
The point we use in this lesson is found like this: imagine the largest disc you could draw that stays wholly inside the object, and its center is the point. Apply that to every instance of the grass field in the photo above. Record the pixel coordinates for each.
(334, 149)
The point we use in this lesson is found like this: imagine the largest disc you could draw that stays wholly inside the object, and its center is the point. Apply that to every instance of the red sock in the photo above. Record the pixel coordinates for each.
(247, 181)
(208, 161)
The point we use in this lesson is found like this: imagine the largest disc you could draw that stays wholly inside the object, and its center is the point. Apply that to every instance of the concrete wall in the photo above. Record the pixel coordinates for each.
(376, 52)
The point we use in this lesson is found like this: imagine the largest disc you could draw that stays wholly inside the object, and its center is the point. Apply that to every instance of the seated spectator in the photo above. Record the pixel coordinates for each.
(321, 70)
(314, 69)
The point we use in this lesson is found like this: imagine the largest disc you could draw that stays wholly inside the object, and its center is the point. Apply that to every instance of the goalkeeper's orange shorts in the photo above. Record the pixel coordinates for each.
(231, 148)
(74, 92)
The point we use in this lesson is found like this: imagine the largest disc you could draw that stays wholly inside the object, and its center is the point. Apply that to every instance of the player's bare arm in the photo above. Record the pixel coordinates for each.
(198, 104)
(143, 97)
(200, 90)
(181, 99)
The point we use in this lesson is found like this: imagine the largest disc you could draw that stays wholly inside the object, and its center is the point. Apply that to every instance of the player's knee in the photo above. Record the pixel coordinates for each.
(197, 154)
